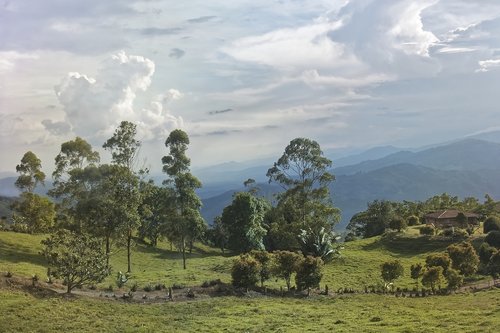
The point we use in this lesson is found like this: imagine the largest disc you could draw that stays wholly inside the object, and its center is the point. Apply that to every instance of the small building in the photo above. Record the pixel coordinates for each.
(451, 218)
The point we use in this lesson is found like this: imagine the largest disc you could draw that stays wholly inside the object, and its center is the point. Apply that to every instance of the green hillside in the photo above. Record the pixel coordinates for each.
(358, 267)
(27, 312)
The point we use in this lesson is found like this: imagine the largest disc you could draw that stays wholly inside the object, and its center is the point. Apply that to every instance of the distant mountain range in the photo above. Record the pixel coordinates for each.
(467, 167)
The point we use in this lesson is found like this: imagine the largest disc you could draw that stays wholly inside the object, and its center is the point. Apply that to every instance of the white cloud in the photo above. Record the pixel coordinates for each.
(487, 65)
(94, 106)
(292, 49)
(408, 32)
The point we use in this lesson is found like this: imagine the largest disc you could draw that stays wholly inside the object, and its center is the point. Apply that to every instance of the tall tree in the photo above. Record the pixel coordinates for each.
(74, 176)
(30, 172)
(186, 224)
(123, 145)
(124, 148)
(32, 213)
(302, 172)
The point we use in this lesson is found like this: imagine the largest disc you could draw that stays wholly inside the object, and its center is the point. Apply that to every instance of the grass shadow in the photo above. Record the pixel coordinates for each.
(408, 246)
(17, 253)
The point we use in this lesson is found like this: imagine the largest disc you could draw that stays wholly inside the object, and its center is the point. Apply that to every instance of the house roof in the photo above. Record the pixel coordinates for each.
(449, 214)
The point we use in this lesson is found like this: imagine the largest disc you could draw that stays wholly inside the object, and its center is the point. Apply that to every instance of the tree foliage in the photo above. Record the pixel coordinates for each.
(30, 172)
(75, 258)
(490, 224)
(442, 260)
(245, 271)
(302, 172)
(243, 219)
(373, 221)
(463, 258)
(391, 271)
(186, 225)
(433, 277)
(34, 212)
(493, 238)
(309, 273)
(285, 264)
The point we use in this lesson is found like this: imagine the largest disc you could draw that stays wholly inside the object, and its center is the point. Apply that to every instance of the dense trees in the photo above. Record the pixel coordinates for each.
(186, 225)
(463, 258)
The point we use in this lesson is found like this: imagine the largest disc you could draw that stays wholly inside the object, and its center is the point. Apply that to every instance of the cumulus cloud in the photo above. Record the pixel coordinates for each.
(94, 106)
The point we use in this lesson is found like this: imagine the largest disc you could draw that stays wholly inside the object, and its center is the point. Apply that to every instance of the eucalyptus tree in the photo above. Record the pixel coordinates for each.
(32, 213)
(124, 148)
(302, 172)
(186, 224)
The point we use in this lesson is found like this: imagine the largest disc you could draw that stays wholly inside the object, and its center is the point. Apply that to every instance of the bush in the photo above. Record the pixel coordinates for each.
(493, 238)
(159, 286)
(463, 258)
(121, 279)
(245, 272)
(309, 273)
(211, 283)
(148, 287)
(442, 260)
(397, 223)
(391, 270)
(413, 220)
(134, 287)
(485, 253)
(285, 264)
(491, 223)
(454, 278)
(456, 233)
(427, 230)
(433, 277)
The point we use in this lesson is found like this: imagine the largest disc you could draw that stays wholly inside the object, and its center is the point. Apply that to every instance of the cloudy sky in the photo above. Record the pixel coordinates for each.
(243, 78)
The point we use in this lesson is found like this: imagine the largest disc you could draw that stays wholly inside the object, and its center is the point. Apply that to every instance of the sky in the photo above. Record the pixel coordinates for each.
(243, 78)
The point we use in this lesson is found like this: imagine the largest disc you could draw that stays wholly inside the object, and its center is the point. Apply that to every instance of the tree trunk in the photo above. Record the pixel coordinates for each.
(191, 246)
(129, 240)
(68, 289)
(183, 246)
(108, 250)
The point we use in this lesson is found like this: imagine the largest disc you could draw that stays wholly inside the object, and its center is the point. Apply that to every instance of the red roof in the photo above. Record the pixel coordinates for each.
(449, 214)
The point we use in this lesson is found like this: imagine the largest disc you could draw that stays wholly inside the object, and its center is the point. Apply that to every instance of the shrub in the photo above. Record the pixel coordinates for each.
(148, 287)
(454, 278)
(210, 283)
(285, 264)
(491, 223)
(391, 270)
(397, 223)
(245, 271)
(456, 233)
(494, 265)
(433, 277)
(134, 287)
(264, 260)
(427, 230)
(493, 238)
(309, 273)
(413, 220)
(485, 253)
(121, 279)
(442, 260)
(463, 258)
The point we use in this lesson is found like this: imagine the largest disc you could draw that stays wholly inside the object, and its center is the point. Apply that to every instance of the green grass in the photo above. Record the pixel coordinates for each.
(478, 312)
(359, 266)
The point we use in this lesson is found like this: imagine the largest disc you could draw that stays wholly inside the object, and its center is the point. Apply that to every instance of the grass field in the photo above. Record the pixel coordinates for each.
(28, 312)
(22, 312)
(358, 267)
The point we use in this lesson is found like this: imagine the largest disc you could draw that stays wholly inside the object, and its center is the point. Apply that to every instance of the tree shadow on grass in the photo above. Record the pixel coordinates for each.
(17, 253)
(198, 252)
(408, 246)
